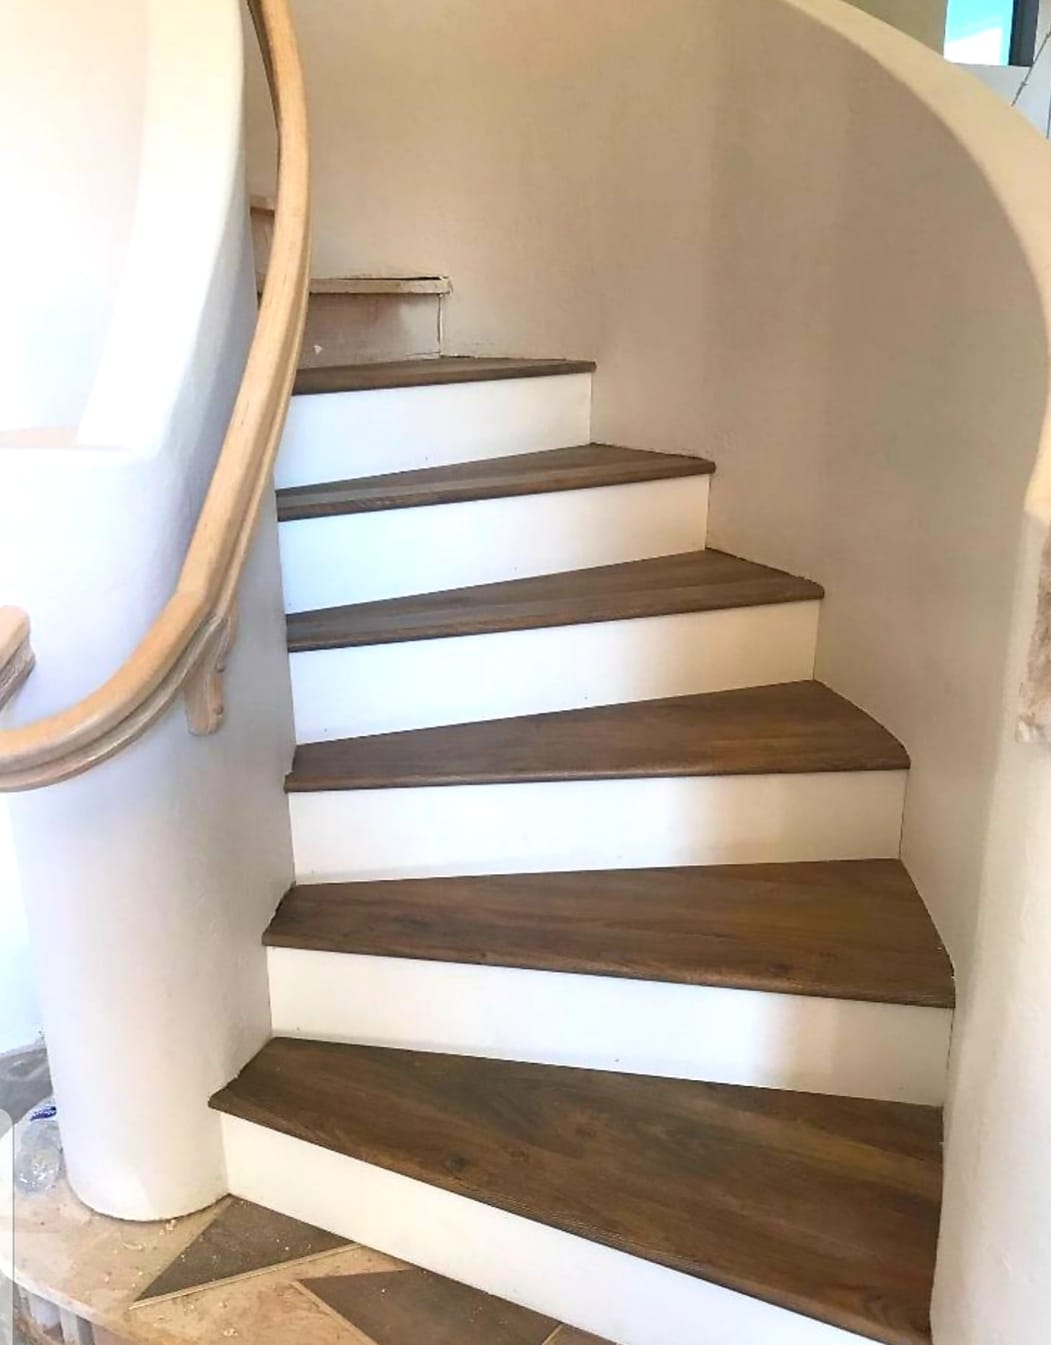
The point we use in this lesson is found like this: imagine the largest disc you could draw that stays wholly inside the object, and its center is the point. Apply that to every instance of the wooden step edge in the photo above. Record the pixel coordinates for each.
(433, 371)
(311, 780)
(775, 731)
(773, 983)
(534, 604)
(417, 923)
(495, 479)
(262, 1093)
(379, 285)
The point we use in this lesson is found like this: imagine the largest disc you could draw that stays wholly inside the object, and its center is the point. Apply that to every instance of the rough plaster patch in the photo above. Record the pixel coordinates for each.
(1034, 722)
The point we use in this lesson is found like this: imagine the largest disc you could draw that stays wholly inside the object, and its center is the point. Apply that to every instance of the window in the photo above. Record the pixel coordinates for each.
(991, 32)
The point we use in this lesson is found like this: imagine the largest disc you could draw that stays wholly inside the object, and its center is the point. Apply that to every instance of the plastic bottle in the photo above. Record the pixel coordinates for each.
(39, 1161)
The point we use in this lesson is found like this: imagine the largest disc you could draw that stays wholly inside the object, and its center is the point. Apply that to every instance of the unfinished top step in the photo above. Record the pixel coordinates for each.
(396, 286)
(430, 372)
(696, 581)
(797, 727)
(825, 1206)
(849, 929)
(558, 469)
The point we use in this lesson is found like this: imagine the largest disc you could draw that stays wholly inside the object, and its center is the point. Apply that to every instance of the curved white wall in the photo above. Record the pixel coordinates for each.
(148, 881)
(799, 243)
(19, 1011)
(72, 93)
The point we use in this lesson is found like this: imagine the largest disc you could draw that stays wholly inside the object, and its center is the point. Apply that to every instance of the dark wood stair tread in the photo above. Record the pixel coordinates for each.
(433, 372)
(697, 581)
(826, 1206)
(795, 727)
(849, 929)
(556, 469)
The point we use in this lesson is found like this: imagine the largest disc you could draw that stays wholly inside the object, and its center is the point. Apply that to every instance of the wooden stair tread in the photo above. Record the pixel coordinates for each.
(432, 372)
(826, 1206)
(849, 929)
(557, 469)
(697, 581)
(796, 727)
(396, 286)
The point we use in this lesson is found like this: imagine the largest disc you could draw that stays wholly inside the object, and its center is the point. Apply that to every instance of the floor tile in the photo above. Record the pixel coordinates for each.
(415, 1307)
(243, 1239)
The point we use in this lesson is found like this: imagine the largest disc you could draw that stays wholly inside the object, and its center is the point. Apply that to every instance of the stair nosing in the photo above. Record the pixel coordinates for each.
(930, 985)
(883, 753)
(501, 962)
(760, 1129)
(435, 371)
(328, 499)
(677, 598)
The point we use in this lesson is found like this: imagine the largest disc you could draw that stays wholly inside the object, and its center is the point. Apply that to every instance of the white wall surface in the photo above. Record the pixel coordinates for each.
(19, 1011)
(72, 96)
(993, 1288)
(61, 257)
(799, 243)
(149, 880)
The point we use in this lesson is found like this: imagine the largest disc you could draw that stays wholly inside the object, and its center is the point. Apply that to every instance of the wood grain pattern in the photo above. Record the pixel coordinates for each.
(430, 373)
(826, 1206)
(794, 728)
(558, 469)
(697, 581)
(417, 1307)
(851, 929)
(242, 1241)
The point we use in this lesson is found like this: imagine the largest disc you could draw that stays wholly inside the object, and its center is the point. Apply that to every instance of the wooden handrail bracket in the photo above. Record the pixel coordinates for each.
(204, 686)
(184, 653)
(16, 653)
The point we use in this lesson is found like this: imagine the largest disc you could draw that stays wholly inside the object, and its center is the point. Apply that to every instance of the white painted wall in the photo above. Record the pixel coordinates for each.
(993, 1287)
(19, 1011)
(70, 161)
(148, 881)
(61, 258)
(801, 244)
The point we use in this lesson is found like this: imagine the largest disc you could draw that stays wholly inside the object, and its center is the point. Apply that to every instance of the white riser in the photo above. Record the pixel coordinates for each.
(596, 824)
(326, 562)
(893, 1052)
(345, 693)
(618, 1297)
(344, 434)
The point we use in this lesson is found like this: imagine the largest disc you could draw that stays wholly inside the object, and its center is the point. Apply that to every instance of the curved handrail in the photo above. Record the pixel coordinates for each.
(184, 651)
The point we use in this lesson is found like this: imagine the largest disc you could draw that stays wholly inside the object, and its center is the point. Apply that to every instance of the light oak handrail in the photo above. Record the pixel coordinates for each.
(185, 650)
(16, 654)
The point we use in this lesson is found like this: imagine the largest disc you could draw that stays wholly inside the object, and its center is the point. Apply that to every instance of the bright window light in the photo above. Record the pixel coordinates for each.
(978, 32)
(986, 48)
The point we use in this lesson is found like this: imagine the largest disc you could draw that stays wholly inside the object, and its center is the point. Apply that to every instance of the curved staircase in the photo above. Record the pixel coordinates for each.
(601, 987)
